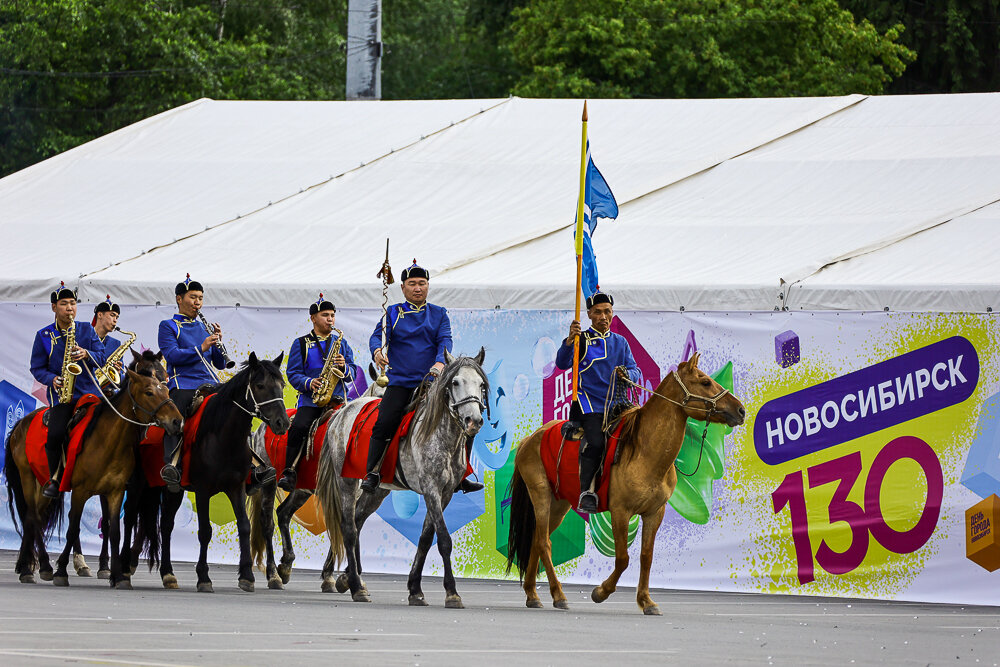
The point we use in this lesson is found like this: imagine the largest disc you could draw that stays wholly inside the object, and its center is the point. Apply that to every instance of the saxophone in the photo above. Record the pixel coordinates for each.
(330, 376)
(108, 373)
(70, 369)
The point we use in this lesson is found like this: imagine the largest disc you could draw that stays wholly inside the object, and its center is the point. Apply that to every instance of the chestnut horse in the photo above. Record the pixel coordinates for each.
(641, 482)
(103, 466)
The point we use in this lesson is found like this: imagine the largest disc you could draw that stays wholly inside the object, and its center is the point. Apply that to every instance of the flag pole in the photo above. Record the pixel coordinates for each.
(579, 250)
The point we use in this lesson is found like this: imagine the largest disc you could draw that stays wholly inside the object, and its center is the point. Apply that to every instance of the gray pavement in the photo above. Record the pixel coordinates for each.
(88, 623)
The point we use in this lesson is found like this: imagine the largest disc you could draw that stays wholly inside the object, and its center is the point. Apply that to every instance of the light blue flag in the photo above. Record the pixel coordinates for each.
(598, 202)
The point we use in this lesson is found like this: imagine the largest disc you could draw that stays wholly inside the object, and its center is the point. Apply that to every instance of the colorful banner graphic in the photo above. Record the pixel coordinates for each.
(869, 464)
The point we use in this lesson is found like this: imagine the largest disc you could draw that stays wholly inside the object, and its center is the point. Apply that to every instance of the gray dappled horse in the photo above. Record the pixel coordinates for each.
(432, 461)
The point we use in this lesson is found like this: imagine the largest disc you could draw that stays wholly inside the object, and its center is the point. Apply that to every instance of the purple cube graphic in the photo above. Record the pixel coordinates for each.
(786, 348)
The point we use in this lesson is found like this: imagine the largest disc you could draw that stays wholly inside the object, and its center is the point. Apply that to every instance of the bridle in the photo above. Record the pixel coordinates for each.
(711, 402)
(150, 413)
(454, 405)
(256, 412)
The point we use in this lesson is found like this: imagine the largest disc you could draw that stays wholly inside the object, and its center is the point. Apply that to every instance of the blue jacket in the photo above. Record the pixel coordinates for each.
(180, 340)
(47, 358)
(417, 337)
(301, 372)
(110, 345)
(600, 354)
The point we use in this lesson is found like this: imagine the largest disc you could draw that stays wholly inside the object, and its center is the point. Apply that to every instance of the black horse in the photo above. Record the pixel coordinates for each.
(220, 461)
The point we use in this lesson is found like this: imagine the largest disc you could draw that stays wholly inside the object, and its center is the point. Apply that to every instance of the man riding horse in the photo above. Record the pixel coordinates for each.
(602, 354)
(417, 334)
(307, 360)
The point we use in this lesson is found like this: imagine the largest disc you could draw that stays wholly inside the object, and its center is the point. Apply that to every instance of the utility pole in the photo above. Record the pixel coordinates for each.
(364, 50)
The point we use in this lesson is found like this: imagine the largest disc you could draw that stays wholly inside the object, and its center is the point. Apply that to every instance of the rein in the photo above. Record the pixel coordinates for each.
(256, 405)
(152, 414)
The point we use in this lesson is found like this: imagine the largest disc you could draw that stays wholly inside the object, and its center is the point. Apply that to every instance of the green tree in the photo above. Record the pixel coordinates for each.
(700, 48)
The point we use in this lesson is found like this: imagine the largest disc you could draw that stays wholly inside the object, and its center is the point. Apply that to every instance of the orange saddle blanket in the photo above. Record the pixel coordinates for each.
(562, 466)
(276, 447)
(38, 433)
(151, 448)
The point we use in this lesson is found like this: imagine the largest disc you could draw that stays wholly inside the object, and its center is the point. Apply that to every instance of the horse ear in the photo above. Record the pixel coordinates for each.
(253, 358)
(277, 362)
(135, 356)
(132, 374)
(448, 357)
(159, 356)
(694, 359)
(481, 357)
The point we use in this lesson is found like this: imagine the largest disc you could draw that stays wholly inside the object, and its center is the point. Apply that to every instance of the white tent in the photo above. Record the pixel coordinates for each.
(816, 203)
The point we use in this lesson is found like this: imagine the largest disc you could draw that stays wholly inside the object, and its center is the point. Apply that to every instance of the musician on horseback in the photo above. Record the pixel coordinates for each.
(49, 360)
(602, 354)
(417, 335)
(307, 360)
(105, 321)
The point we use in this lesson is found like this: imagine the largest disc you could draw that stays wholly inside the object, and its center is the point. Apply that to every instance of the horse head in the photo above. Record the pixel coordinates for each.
(266, 390)
(703, 398)
(149, 363)
(466, 388)
(151, 401)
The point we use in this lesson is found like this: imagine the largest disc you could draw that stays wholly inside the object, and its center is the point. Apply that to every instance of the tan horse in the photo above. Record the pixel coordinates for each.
(641, 483)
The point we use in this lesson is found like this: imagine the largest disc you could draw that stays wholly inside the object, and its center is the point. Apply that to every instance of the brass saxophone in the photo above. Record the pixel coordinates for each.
(330, 376)
(70, 369)
(108, 373)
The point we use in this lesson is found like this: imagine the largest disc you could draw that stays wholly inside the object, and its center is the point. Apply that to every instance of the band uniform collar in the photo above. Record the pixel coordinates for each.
(594, 333)
(414, 308)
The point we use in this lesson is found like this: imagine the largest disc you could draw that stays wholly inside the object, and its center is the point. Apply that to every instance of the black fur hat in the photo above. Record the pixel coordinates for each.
(415, 271)
(321, 305)
(598, 298)
(188, 285)
(62, 292)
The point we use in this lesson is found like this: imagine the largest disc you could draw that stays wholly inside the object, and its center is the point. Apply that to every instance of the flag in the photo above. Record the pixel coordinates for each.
(598, 202)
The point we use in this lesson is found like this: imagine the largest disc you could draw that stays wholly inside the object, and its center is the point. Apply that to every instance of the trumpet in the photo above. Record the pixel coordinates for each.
(222, 348)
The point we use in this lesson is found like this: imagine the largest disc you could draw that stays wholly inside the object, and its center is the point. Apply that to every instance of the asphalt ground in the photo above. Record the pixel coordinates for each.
(90, 624)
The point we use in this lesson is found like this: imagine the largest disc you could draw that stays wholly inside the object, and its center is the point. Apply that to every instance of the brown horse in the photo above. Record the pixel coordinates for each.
(641, 483)
(103, 467)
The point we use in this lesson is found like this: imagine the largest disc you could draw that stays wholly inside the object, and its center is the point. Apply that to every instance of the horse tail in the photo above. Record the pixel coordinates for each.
(328, 496)
(255, 507)
(148, 525)
(16, 503)
(522, 525)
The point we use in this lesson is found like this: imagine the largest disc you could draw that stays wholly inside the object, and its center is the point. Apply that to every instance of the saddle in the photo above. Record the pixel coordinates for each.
(38, 432)
(150, 450)
(560, 457)
(276, 447)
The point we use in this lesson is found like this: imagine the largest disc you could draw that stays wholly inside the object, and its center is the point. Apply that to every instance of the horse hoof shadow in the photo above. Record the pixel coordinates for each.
(417, 601)
(453, 602)
(124, 585)
(45, 575)
(170, 582)
(342, 585)
(328, 586)
(205, 587)
(561, 604)
(60, 581)
(27, 578)
(104, 574)
(246, 585)
(274, 583)
(652, 610)
(285, 572)
(362, 596)
(533, 604)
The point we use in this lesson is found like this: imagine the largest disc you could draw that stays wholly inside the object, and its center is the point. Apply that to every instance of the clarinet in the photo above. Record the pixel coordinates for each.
(222, 348)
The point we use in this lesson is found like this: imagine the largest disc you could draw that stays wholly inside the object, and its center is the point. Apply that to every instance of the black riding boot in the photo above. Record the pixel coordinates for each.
(467, 485)
(169, 472)
(588, 470)
(54, 455)
(376, 450)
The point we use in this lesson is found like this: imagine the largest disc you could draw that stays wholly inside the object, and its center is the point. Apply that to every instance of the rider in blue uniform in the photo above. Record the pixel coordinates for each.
(602, 353)
(417, 335)
(105, 320)
(306, 359)
(47, 354)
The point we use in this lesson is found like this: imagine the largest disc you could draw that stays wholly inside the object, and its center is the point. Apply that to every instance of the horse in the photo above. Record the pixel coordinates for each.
(220, 461)
(641, 483)
(432, 460)
(103, 466)
(260, 509)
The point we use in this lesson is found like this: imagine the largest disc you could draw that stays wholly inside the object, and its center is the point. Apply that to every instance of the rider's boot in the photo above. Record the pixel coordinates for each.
(169, 472)
(468, 485)
(588, 499)
(376, 451)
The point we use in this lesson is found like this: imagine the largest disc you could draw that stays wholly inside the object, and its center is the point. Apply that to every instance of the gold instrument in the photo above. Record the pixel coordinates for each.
(70, 369)
(330, 376)
(385, 273)
(108, 373)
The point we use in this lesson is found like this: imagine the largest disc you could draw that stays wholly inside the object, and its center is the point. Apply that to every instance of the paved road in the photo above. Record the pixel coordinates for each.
(88, 623)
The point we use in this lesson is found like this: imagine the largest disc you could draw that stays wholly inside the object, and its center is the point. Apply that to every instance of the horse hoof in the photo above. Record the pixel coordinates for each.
(60, 581)
(453, 602)
(132, 569)
(417, 601)
(205, 587)
(533, 604)
(342, 584)
(80, 565)
(170, 582)
(652, 610)
(595, 595)
(327, 586)
(124, 585)
(45, 575)
(27, 578)
(560, 604)
(285, 572)
(106, 574)
(84, 572)
(245, 585)
(361, 596)
(274, 583)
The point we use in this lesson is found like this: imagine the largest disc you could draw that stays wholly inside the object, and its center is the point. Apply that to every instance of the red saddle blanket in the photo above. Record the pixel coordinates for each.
(151, 448)
(562, 466)
(276, 447)
(38, 433)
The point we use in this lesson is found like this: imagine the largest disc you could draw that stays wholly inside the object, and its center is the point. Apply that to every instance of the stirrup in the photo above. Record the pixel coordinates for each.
(572, 430)
(172, 476)
(287, 481)
(588, 502)
(371, 482)
(263, 474)
(51, 489)
(469, 486)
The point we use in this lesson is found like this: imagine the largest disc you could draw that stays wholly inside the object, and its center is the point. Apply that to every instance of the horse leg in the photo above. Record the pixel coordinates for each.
(265, 521)
(201, 499)
(78, 500)
(130, 561)
(423, 546)
(349, 530)
(365, 507)
(79, 562)
(103, 570)
(288, 507)
(435, 509)
(650, 524)
(619, 528)
(559, 600)
(541, 502)
(237, 499)
(112, 508)
(169, 504)
(45, 571)
(27, 556)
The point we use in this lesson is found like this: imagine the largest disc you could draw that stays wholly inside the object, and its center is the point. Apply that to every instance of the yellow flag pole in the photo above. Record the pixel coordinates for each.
(579, 249)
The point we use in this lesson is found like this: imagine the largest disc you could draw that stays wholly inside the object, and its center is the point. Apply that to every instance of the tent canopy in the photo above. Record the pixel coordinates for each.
(816, 203)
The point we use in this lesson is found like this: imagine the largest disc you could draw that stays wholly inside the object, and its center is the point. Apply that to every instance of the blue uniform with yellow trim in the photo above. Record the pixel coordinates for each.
(180, 340)
(47, 358)
(600, 354)
(417, 337)
(301, 372)
(110, 344)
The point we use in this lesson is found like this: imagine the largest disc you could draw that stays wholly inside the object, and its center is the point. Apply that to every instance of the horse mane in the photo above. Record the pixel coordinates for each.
(628, 438)
(436, 400)
(227, 391)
